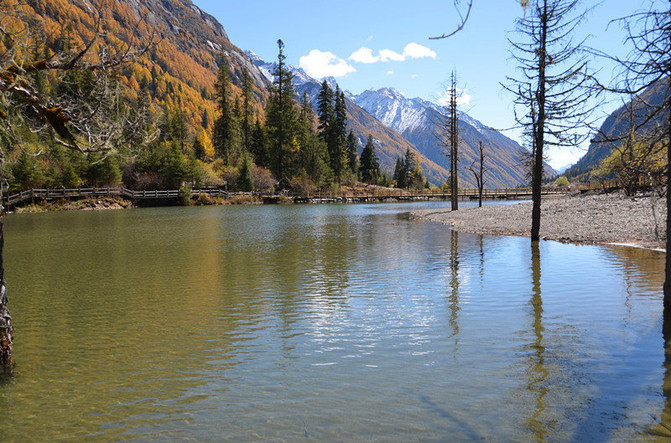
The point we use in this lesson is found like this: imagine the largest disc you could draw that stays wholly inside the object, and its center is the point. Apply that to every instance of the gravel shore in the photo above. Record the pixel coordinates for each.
(595, 218)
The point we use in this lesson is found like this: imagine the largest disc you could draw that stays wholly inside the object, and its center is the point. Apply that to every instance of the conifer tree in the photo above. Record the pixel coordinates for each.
(338, 134)
(399, 173)
(198, 149)
(245, 178)
(246, 124)
(409, 167)
(552, 90)
(370, 166)
(177, 127)
(313, 158)
(205, 119)
(325, 110)
(225, 125)
(352, 152)
(281, 120)
(258, 147)
(305, 119)
(451, 127)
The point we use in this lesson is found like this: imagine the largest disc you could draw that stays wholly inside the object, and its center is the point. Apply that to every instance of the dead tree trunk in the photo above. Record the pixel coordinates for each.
(537, 177)
(479, 174)
(454, 144)
(6, 328)
(667, 281)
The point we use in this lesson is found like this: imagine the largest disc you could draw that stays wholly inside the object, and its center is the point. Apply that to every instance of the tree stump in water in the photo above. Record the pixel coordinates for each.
(6, 331)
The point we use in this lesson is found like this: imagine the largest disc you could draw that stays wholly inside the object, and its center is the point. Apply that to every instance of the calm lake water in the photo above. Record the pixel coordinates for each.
(340, 322)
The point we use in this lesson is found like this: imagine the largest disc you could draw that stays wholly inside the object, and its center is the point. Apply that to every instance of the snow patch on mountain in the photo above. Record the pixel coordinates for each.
(392, 108)
(265, 67)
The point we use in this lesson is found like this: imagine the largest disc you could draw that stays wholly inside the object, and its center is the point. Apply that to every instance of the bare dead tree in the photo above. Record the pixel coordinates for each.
(552, 89)
(463, 18)
(638, 153)
(647, 65)
(453, 121)
(448, 137)
(478, 172)
(97, 121)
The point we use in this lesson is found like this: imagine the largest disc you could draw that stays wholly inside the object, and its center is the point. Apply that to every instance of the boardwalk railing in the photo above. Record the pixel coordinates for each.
(367, 194)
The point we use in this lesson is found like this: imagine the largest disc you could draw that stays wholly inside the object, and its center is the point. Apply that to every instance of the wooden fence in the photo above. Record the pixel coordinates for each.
(373, 193)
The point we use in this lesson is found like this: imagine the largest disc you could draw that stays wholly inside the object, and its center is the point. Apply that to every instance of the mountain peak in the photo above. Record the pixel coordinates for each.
(391, 93)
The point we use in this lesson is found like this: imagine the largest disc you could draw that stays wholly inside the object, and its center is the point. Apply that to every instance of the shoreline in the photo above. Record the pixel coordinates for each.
(593, 218)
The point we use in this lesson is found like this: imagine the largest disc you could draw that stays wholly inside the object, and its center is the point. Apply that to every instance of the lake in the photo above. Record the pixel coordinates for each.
(325, 322)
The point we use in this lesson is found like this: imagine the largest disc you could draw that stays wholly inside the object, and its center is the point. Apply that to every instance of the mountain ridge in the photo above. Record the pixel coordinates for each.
(616, 125)
(419, 121)
(389, 143)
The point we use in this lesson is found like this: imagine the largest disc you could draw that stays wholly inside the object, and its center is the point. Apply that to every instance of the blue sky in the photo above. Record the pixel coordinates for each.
(370, 44)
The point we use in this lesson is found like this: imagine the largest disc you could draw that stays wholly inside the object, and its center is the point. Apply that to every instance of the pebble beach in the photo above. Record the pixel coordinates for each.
(605, 218)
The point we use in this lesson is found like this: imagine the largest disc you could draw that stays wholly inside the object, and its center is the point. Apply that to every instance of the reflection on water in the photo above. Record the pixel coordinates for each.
(538, 373)
(341, 322)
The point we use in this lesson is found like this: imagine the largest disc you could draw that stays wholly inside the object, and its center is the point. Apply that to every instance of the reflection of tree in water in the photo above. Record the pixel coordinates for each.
(482, 259)
(663, 428)
(454, 286)
(537, 374)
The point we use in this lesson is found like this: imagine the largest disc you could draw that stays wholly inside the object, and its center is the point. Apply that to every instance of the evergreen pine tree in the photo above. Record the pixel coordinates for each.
(325, 110)
(103, 170)
(245, 178)
(370, 166)
(258, 147)
(313, 158)
(305, 120)
(205, 120)
(338, 134)
(399, 173)
(225, 123)
(69, 178)
(409, 167)
(27, 171)
(198, 149)
(177, 128)
(352, 152)
(246, 125)
(281, 120)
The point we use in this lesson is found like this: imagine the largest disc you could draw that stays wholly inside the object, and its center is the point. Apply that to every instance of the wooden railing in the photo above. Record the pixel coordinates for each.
(372, 193)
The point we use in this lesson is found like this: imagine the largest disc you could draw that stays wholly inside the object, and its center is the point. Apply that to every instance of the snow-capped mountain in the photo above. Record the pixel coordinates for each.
(419, 122)
(389, 143)
(398, 123)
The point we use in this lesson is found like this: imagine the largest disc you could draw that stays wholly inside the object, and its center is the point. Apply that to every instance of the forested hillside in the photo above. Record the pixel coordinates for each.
(614, 131)
(172, 80)
(213, 114)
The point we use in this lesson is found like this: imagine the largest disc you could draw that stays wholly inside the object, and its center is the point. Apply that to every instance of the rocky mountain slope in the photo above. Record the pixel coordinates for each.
(180, 67)
(419, 122)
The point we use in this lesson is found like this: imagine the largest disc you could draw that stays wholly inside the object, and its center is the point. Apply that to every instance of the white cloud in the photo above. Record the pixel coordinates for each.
(414, 50)
(387, 55)
(414, 76)
(364, 55)
(463, 98)
(411, 51)
(320, 64)
(390, 72)
(561, 157)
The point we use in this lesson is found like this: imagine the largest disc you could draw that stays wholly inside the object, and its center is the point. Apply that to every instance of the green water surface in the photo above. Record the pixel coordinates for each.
(328, 323)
